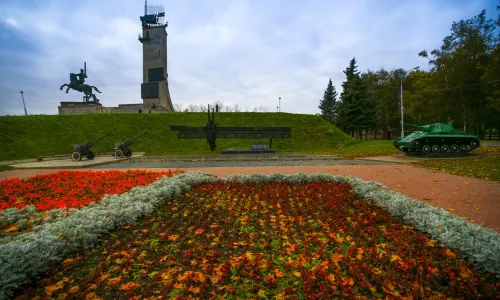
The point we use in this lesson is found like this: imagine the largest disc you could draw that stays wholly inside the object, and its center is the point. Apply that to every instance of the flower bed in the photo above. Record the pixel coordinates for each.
(25, 203)
(266, 236)
(68, 189)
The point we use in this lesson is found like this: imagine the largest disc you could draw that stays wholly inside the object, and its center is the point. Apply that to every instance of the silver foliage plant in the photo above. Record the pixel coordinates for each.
(29, 214)
(26, 255)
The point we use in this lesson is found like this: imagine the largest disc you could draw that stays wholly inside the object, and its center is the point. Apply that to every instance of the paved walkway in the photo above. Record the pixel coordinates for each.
(235, 163)
(71, 164)
(471, 198)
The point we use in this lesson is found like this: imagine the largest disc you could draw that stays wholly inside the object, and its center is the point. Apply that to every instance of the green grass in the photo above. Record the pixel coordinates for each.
(5, 168)
(24, 137)
(486, 168)
(365, 148)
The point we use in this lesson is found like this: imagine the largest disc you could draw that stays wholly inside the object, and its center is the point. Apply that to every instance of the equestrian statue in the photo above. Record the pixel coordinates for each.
(77, 83)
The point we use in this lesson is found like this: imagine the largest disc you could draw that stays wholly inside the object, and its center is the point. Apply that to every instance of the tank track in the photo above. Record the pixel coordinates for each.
(436, 145)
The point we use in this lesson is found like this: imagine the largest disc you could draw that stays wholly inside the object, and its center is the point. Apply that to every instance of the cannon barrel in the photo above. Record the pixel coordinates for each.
(129, 142)
(94, 141)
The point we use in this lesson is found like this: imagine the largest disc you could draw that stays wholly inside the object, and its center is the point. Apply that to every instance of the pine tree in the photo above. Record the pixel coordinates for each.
(328, 105)
(367, 119)
(356, 111)
(371, 115)
(350, 112)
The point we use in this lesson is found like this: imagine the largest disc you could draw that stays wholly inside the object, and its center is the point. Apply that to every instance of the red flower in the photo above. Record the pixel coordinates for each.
(69, 189)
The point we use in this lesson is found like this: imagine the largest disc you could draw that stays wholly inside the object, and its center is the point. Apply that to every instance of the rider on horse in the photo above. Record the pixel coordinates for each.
(76, 79)
(77, 83)
(82, 77)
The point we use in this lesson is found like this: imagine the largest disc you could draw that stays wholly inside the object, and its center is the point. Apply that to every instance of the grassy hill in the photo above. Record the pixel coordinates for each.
(28, 137)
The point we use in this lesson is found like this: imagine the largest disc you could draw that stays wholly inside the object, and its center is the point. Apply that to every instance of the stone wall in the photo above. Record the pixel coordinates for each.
(124, 108)
(74, 108)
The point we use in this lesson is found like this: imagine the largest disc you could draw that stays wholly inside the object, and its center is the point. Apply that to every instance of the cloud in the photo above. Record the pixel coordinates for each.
(12, 22)
(239, 52)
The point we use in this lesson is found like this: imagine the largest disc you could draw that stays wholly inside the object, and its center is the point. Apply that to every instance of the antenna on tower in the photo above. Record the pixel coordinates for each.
(153, 15)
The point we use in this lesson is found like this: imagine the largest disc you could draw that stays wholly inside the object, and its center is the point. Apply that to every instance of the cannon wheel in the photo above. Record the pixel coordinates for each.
(118, 153)
(76, 156)
(90, 155)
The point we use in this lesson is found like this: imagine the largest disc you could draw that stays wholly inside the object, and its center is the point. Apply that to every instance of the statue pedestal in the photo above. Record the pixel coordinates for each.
(72, 108)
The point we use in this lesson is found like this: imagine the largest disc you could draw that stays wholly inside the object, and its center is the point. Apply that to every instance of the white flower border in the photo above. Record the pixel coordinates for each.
(30, 253)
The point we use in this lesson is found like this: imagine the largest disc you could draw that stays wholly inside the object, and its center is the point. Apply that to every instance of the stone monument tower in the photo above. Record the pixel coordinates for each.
(154, 89)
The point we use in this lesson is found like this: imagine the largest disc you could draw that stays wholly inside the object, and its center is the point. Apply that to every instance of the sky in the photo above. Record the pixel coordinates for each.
(248, 53)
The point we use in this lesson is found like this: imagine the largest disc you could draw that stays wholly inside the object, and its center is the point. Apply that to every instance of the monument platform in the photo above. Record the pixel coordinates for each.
(72, 108)
(71, 164)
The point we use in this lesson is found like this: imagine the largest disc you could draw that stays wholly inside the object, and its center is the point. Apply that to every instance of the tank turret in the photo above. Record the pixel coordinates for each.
(436, 127)
(437, 137)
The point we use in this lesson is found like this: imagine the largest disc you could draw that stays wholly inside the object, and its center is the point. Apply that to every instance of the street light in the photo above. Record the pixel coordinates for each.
(280, 104)
(402, 115)
(25, 112)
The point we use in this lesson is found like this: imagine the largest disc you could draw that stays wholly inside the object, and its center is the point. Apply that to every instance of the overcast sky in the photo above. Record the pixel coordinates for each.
(238, 52)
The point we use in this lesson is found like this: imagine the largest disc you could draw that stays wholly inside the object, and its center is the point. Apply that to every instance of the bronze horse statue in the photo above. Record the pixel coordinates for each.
(78, 84)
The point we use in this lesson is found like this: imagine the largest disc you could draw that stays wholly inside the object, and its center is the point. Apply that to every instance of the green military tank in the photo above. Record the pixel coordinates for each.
(437, 137)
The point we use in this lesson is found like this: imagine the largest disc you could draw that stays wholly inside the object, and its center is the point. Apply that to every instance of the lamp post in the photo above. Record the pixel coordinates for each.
(402, 114)
(25, 112)
(279, 105)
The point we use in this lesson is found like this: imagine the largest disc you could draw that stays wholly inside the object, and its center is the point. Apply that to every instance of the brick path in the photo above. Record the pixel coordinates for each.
(471, 198)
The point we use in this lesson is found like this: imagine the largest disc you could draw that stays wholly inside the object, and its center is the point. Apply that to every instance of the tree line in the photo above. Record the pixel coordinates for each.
(462, 87)
(222, 108)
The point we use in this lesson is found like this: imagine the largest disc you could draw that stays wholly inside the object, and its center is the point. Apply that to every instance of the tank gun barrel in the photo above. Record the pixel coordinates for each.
(412, 125)
(426, 128)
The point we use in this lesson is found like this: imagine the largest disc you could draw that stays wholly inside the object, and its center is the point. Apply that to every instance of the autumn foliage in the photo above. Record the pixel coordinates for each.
(279, 240)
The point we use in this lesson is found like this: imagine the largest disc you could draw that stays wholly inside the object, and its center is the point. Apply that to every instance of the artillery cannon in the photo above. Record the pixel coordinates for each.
(121, 148)
(82, 150)
(437, 137)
